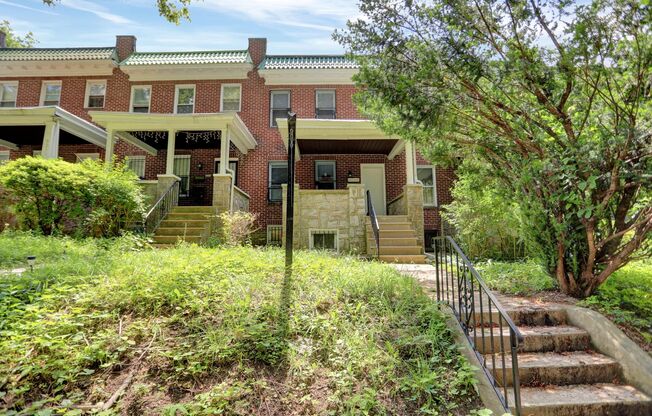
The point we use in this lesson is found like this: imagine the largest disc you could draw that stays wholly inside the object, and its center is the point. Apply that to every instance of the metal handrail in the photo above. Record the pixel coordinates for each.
(460, 286)
(161, 208)
(371, 212)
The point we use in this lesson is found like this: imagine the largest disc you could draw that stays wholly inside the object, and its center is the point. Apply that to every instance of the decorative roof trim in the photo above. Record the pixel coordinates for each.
(188, 58)
(284, 62)
(57, 54)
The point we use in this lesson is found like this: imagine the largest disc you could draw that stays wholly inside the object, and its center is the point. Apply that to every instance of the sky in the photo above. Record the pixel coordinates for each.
(290, 26)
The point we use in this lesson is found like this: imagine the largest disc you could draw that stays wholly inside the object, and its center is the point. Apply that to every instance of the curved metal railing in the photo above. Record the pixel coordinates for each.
(371, 212)
(482, 318)
(161, 208)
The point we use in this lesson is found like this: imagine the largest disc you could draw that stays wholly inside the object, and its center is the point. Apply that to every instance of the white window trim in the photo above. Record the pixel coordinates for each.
(176, 96)
(271, 100)
(434, 185)
(139, 157)
(81, 156)
(87, 94)
(330, 162)
(269, 232)
(131, 100)
(222, 97)
(313, 231)
(10, 83)
(44, 84)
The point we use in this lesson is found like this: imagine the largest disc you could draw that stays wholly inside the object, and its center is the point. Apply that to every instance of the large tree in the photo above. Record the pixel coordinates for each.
(555, 96)
(14, 41)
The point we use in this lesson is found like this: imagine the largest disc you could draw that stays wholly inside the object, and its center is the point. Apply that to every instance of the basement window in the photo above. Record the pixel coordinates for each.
(323, 240)
(274, 235)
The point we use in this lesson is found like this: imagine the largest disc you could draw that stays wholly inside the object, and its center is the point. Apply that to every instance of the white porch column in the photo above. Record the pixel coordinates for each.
(225, 145)
(110, 146)
(410, 162)
(50, 148)
(169, 161)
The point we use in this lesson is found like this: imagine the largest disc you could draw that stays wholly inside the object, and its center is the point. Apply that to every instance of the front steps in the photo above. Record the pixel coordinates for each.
(560, 373)
(184, 223)
(398, 240)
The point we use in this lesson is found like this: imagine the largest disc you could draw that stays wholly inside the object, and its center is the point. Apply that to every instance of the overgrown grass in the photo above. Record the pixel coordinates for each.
(517, 278)
(626, 297)
(220, 331)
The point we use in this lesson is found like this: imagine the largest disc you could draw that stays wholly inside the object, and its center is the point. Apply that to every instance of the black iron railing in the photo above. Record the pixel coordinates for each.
(371, 212)
(488, 328)
(161, 208)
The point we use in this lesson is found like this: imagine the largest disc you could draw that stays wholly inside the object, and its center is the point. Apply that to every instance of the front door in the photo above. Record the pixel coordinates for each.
(182, 170)
(372, 175)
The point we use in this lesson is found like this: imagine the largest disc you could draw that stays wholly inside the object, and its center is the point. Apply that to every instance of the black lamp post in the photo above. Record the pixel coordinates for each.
(289, 223)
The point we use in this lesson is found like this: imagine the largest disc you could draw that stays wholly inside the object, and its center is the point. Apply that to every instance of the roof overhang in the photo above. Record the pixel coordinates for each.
(319, 136)
(67, 68)
(239, 134)
(307, 76)
(185, 72)
(40, 116)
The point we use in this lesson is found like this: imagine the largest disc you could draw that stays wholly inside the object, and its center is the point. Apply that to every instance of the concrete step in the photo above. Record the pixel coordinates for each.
(391, 250)
(173, 239)
(180, 231)
(559, 338)
(188, 216)
(399, 241)
(403, 258)
(383, 219)
(396, 226)
(194, 209)
(583, 400)
(392, 233)
(537, 369)
(523, 317)
(169, 223)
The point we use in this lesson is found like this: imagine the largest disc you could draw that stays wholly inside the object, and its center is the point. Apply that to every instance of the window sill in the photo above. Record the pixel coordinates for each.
(431, 206)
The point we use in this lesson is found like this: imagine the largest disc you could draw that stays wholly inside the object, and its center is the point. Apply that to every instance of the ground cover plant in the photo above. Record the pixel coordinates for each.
(193, 330)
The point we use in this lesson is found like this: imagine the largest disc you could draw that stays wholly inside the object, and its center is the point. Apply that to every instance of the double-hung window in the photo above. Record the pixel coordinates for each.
(8, 92)
(231, 97)
(426, 175)
(4, 156)
(51, 93)
(95, 93)
(279, 106)
(278, 175)
(325, 104)
(184, 101)
(141, 96)
(137, 165)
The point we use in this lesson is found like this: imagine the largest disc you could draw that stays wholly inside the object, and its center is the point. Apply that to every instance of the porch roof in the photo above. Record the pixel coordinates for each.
(40, 116)
(323, 136)
(121, 123)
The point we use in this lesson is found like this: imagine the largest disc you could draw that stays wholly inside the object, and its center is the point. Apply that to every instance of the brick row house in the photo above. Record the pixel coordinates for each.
(212, 126)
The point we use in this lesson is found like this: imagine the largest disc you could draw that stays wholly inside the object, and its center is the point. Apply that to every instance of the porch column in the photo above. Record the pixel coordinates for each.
(50, 148)
(110, 146)
(410, 162)
(169, 161)
(225, 145)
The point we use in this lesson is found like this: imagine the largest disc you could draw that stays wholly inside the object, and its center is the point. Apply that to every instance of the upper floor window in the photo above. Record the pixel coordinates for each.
(426, 175)
(95, 92)
(325, 104)
(8, 92)
(184, 102)
(231, 97)
(280, 106)
(51, 93)
(141, 96)
(278, 175)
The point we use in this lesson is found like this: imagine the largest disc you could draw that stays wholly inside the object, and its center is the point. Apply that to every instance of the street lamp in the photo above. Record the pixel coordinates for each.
(31, 260)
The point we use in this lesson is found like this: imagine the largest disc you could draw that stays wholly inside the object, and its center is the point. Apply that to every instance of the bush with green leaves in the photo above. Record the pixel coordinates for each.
(525, 277)
(81, 199)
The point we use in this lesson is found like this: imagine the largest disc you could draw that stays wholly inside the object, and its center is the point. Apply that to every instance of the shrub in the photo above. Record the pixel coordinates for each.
(82, 199)
(7, 215)
(237, 227)
(519, 278)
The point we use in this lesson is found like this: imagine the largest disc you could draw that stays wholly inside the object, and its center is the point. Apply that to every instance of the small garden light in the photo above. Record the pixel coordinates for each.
(31, 260)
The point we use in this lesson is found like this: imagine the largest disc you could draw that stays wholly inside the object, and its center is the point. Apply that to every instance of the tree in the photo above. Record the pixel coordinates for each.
(15, 41)
(556, 97)
(172, 10)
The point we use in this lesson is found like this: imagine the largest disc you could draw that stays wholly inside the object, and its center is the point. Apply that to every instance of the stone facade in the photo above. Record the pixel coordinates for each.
(414, 209)
(222, 192)
(397, 206)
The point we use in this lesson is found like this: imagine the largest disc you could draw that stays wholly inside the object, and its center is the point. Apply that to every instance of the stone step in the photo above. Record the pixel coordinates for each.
(168, 223)
(559, 338)
(583, 400)
(392, 233)
(173, 239)
(188, 216)
(396, 226)
(194, 209)
(392, 250)
(399, 241)
(403, 258)
(537, 369)
(180, 231)
(383, 219)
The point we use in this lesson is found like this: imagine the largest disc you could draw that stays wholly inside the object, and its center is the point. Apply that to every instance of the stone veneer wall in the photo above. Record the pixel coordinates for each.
(397, 206)
(341, 210)
(414, 208)
(240, 200)
(222, 192)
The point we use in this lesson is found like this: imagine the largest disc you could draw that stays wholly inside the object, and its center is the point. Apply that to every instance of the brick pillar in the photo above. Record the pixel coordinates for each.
(257, 50)
(164, 183)
(125, 45)
(414, 208)
(222, 192)
(357, 214)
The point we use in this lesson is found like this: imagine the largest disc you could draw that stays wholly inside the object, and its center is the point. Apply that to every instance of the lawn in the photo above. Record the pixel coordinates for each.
(196, 331)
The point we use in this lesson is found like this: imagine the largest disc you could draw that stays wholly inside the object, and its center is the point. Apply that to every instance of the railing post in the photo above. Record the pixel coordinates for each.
(435, 245)
(515, 378)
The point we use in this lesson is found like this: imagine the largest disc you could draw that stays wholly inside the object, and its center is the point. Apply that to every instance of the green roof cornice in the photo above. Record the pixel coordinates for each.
(188, 58)
(57, 54)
